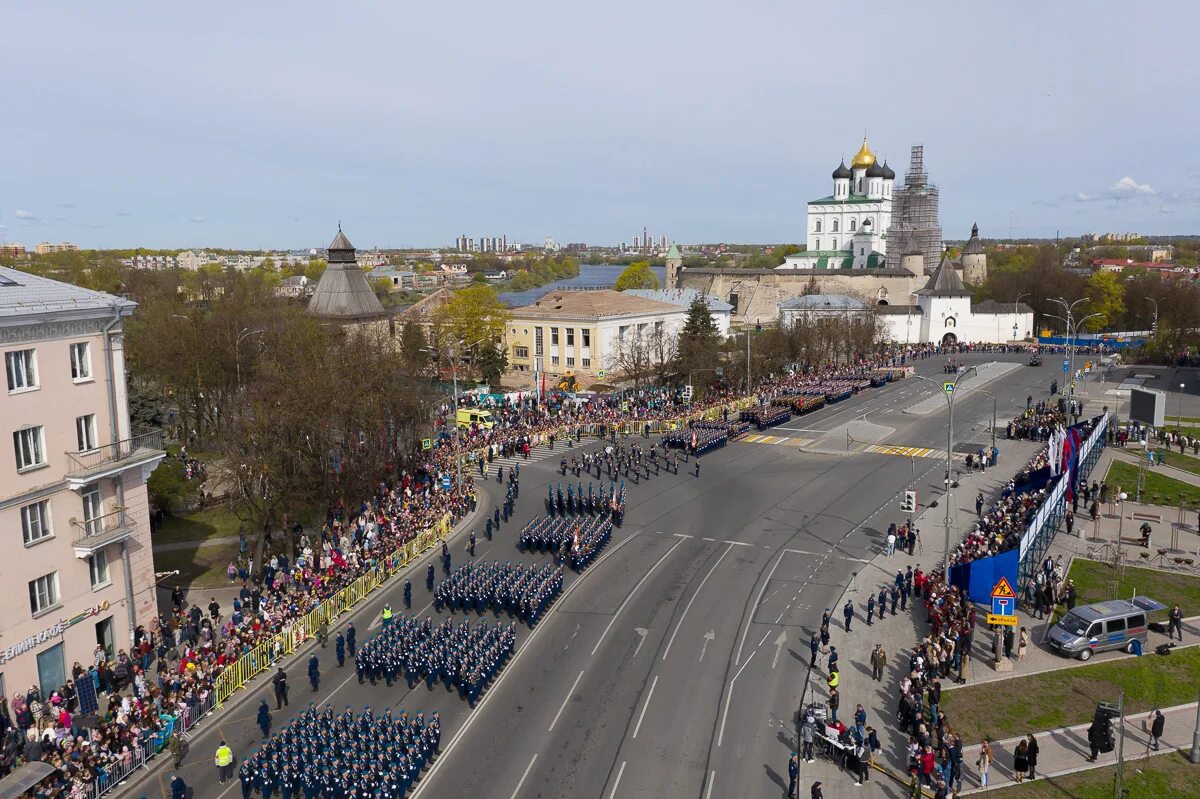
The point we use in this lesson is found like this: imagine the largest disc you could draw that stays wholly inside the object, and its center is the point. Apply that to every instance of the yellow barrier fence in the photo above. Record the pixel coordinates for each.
(292, 637)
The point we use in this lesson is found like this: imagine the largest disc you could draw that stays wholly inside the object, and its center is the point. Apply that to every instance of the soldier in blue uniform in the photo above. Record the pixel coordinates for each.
(351, 641)
(870, 608)
(314, 672)
(339, 649)
(407, 595)
(429, 578)
(882, 602)
(487, 529)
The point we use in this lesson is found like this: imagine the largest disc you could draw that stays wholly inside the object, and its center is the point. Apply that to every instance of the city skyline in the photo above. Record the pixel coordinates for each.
(191, 128)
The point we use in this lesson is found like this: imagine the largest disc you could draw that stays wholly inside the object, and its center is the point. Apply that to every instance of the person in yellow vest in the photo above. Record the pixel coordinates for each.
(387, 616)
(224, 760)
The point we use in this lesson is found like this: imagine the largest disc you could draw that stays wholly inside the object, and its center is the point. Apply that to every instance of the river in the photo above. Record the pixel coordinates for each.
(590, 276)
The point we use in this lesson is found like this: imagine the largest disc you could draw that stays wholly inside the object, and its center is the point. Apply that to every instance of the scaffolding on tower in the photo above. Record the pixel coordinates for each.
(915, 213)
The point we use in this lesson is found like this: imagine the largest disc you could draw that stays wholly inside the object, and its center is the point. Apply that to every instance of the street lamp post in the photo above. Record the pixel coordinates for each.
(1179, 410)
(949, 395)
(1154, 325)
(1070, 311)
(1121, 497)
(452, 357)
(993, 397)
(1017, 302)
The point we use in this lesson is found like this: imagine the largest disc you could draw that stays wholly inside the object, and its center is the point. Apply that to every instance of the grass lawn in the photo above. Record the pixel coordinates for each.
(1055, 699)
(200, 526)
(1165, 775)
(1159, 490)
(203, 566)
(1093, 583)
(1185, 462)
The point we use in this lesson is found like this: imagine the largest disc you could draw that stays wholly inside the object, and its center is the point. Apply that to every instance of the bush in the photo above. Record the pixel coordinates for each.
(170, 490)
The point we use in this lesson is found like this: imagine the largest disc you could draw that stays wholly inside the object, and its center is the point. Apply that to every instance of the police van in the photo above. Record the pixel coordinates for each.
(1115, 624)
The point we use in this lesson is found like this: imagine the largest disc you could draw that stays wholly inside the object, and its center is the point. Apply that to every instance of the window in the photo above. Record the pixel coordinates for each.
(587, 337)
(537, 342)
(833, 246)
(950, 322)
(520, 352)
(816, 244)
(817, 229)
(43, 593)
(81, 362)
(35, 522)
(21, 366)
(570, 337)
(1116, 625)
(30, 447)
(554, 337)
(835, 226)
(853, 225)
(587, 362)
(85, 432)
(98, 568)
(92, 523)
(570, 360)
(554, 360)
(1137, 622)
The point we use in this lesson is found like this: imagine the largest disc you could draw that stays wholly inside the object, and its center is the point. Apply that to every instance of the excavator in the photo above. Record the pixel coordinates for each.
(568, 382)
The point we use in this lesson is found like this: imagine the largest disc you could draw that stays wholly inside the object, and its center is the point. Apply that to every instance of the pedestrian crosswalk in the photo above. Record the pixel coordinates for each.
(855, 446)
(904, 452)
(787, 441)
(539, 453)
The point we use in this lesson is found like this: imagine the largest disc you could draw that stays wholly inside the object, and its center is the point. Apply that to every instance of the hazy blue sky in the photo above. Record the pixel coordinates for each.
(262, 124)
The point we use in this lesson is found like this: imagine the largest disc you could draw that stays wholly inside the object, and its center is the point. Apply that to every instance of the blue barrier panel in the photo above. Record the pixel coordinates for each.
(978, 577)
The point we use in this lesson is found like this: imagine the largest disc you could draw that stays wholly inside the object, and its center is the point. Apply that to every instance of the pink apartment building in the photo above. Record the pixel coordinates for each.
(76, 565)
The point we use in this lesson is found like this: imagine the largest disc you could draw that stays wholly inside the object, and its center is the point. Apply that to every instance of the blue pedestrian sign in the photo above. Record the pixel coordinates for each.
(446, 482)
(1066, 366)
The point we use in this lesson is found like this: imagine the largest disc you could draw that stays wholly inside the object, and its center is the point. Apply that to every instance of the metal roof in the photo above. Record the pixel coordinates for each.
(822, 302)
(344, 291)
(973, 246)
(23, 778)
(24, 294)
(945, 281)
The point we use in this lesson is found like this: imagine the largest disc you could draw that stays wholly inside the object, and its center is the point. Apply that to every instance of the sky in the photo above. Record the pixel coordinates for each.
(264, 124)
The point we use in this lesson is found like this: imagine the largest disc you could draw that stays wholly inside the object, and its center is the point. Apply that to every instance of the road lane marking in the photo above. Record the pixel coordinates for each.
(641, 631)
(523, 776)
(563, 707)
(729, 696)
(617, 781)
(688, 607)
(645, 707)
(712, 777)
(680, 535)
(508, 669)
(738, 543)
(754, 609)
(629, 596)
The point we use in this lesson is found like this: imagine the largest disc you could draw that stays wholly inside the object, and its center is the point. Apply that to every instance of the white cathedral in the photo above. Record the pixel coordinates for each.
(848, 229)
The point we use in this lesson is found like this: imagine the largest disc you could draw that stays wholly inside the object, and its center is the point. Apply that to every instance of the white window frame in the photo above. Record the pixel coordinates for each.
(93, 508)
(33, 439)
(81, 362)
(21, 371)
(586, 336)
(35, 522)
(85, 433)
(43, 594)
(570, 360)
(586, 363)
(554, 360)
(98, 569)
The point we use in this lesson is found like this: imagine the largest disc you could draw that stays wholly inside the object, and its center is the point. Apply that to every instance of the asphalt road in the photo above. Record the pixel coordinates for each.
(673, 666)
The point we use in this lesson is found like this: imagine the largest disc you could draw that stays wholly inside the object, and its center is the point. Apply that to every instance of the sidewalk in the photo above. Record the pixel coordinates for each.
(898, 634)
(1066, 750)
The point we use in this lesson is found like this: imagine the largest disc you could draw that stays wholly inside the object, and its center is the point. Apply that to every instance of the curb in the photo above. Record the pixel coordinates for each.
(241, 697)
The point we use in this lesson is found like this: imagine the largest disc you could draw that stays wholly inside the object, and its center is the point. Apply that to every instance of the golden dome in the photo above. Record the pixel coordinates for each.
(864, 158)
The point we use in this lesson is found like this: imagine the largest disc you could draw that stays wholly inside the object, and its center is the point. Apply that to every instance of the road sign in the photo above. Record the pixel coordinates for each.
(948, 387)
(1004, 604)
(426, 443)
(687, 393)
(600, 374)
(446, 482)
(1066, 366)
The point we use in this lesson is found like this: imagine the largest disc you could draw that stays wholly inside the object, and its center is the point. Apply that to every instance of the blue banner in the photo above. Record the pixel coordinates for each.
(978, 577)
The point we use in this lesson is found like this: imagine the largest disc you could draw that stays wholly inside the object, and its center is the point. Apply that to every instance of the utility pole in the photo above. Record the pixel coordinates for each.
(748, 384)
(1195, 755)
(1119, 787)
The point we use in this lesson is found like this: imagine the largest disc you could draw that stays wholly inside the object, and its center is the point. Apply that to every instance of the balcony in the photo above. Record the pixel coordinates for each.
(110, 459)
(93, 534)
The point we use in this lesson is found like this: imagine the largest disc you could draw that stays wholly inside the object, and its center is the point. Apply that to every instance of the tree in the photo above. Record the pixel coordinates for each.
(1107, 295)
(632, 356)
(413, 347)
(699, 345)
(638, 275)
(473, 315)
(492, 360)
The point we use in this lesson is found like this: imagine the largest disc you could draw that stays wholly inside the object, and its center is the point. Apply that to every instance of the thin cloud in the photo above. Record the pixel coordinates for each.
(124, 213)
(19, 214)
(197, 220)
(66, 204)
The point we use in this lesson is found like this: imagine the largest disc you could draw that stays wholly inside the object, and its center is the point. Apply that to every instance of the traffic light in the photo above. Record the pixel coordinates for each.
(910, 502)
(1106, 712)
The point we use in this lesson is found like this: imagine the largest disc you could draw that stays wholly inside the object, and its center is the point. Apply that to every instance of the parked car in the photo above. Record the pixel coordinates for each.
(1103, 626)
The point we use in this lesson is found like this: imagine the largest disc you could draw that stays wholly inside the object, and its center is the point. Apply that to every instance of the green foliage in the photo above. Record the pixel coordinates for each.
(637, 275)
(170, 490)
(413, 347)
(492, 360)
(474, 315)
(1107, 295)
(699, 345)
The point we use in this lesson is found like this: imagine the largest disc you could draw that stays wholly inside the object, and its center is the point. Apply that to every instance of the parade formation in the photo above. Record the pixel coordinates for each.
(523, 592)
(343, 756)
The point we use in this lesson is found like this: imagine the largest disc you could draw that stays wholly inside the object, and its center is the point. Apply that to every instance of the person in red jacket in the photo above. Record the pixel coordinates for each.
(927, 761)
